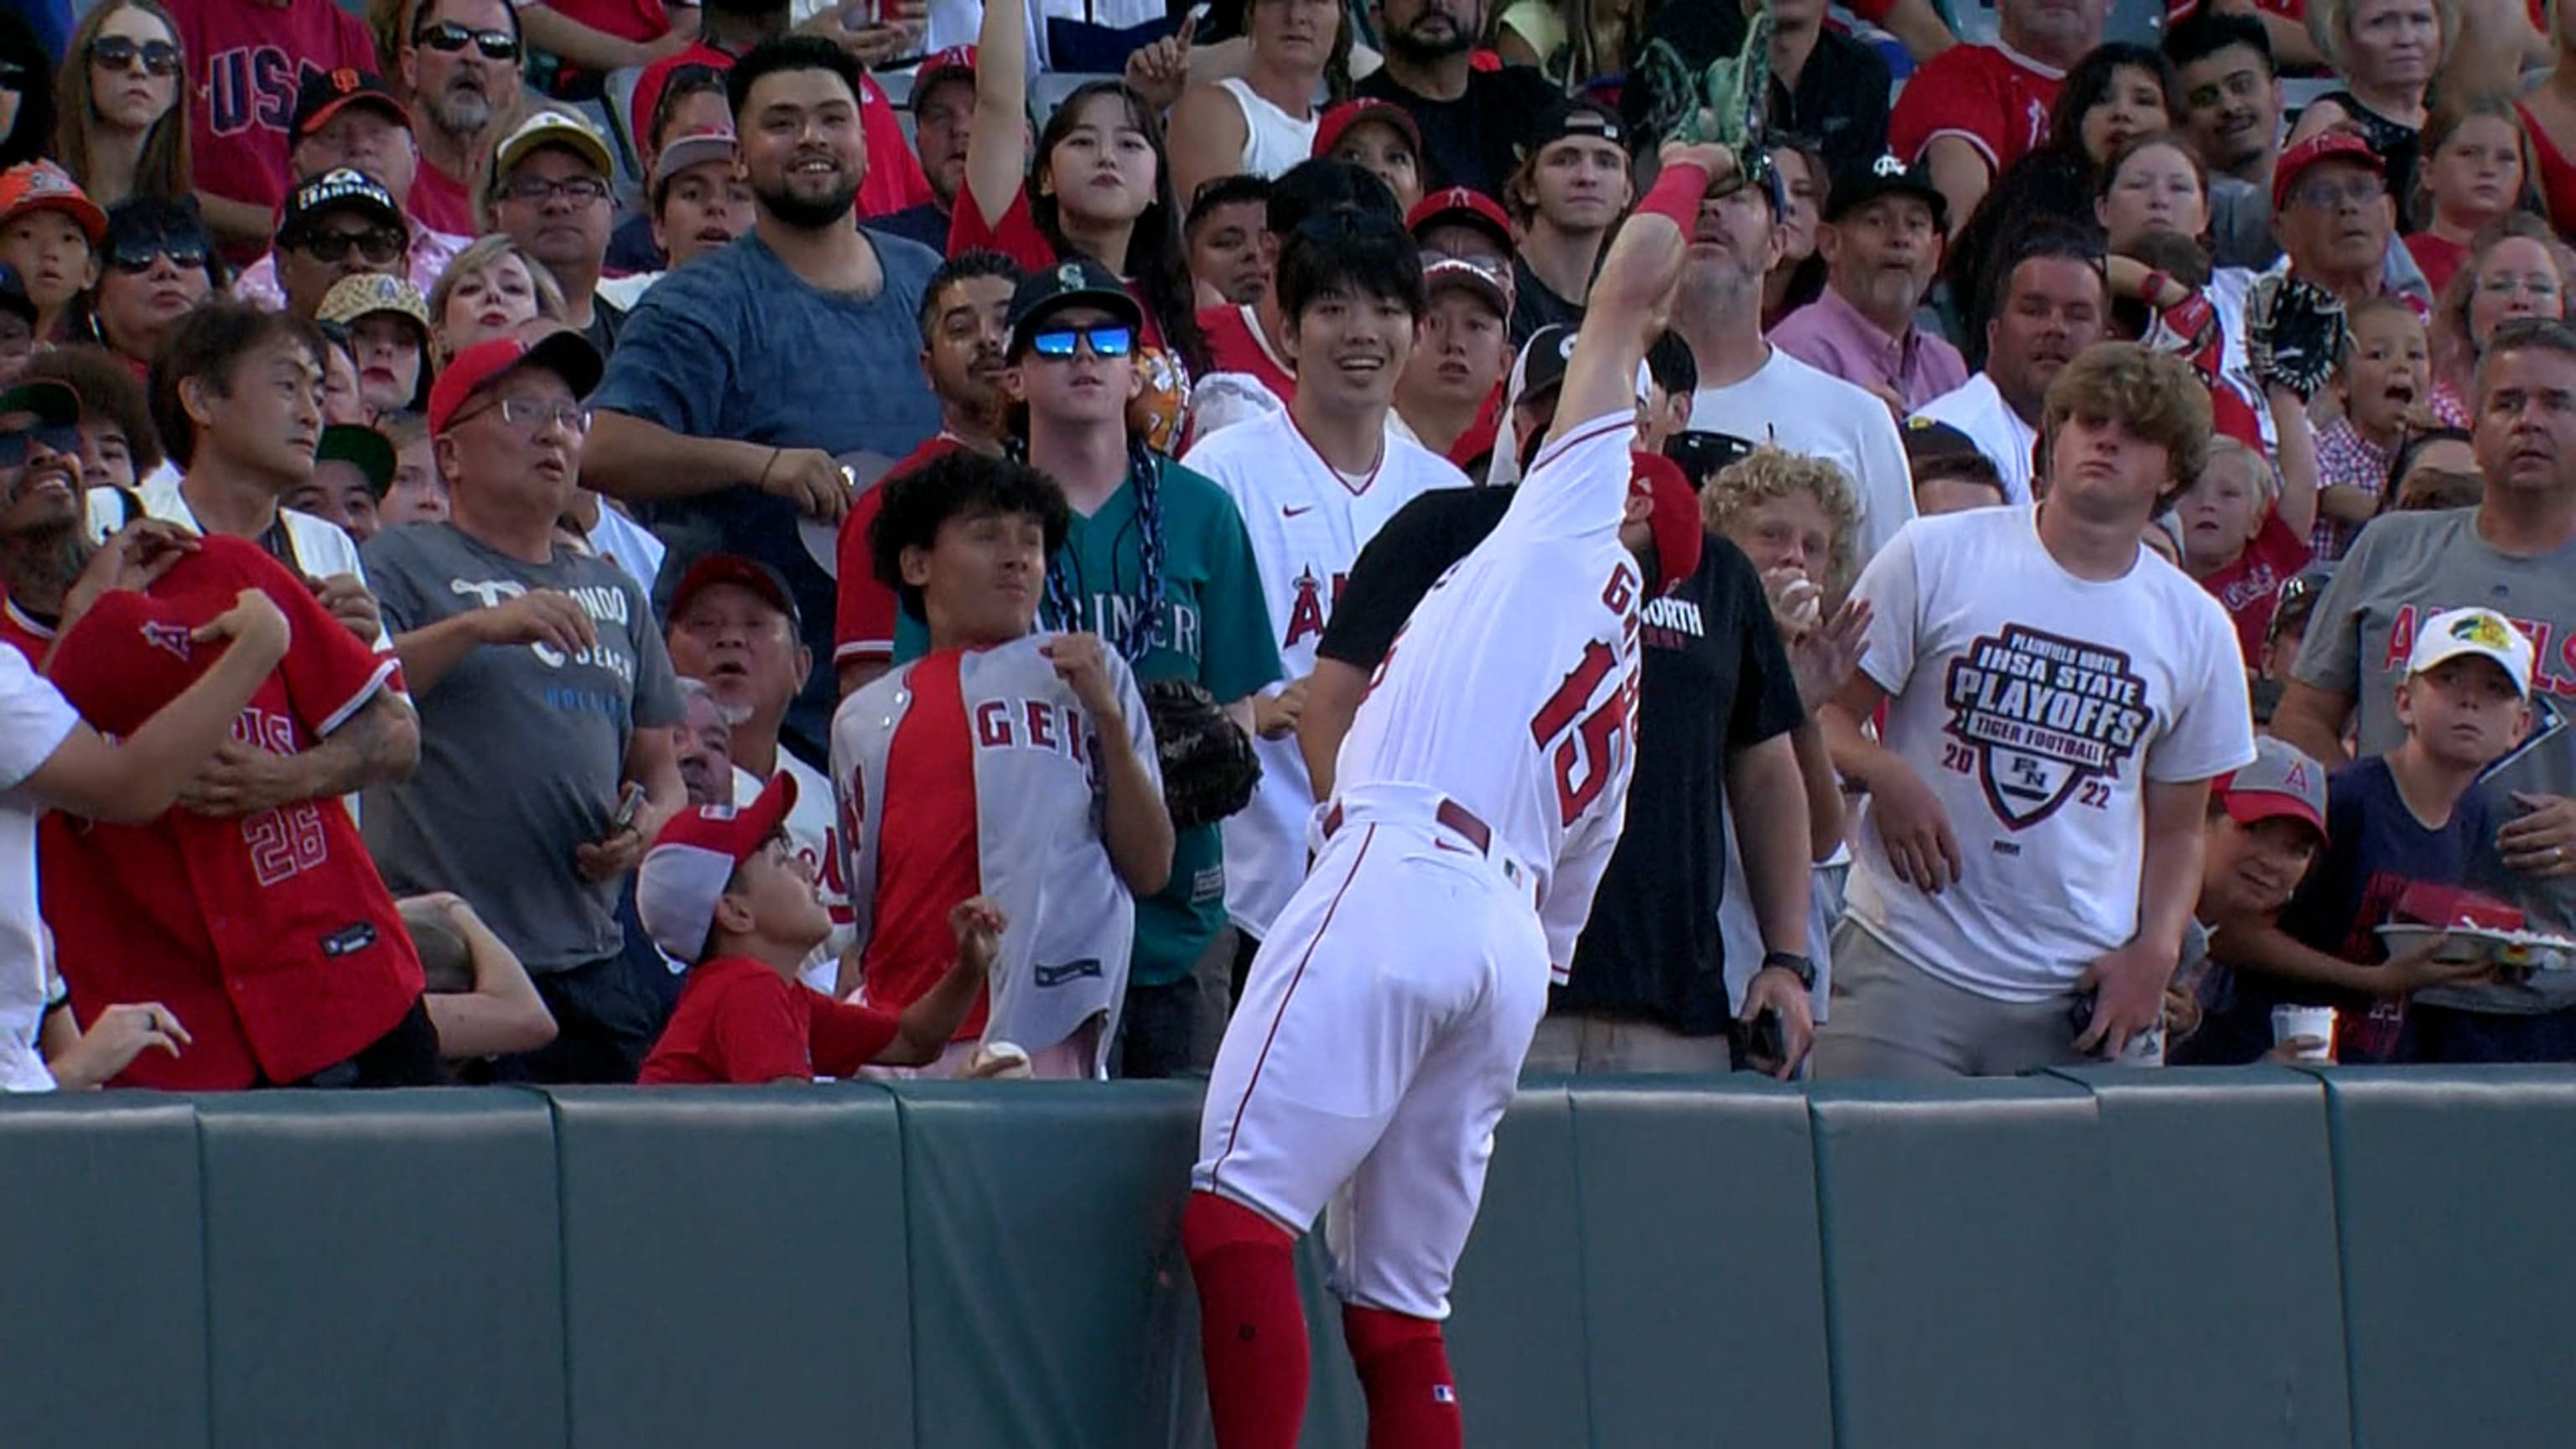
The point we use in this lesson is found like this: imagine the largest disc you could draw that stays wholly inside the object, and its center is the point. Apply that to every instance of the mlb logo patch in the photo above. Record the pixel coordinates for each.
(1443, 1394)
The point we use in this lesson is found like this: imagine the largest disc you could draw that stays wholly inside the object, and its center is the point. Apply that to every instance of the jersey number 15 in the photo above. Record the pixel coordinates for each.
(1580, 743)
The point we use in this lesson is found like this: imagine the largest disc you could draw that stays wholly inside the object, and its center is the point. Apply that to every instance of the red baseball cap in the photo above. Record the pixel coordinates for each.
(733, 568)
(1337, 122)
(44, 186)
(1674, 517)
(957, 62)
(683, 875)
(2281, 782)
(1460, 206)
(563, 351)
(2308, 154)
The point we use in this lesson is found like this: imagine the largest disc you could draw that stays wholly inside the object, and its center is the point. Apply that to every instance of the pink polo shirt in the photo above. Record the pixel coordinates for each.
(1830, 335)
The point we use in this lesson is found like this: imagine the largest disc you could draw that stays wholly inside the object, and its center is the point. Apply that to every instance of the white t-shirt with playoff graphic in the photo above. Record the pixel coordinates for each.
(2036, 705)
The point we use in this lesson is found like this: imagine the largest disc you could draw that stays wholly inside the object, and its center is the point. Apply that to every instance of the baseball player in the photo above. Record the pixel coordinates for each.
(1478, 795)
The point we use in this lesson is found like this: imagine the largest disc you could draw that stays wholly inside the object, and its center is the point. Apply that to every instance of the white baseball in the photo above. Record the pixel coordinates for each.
(998, 1061)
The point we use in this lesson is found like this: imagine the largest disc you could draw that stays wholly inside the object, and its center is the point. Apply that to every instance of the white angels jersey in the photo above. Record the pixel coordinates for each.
(1513, 689)
(1307, 524)
(2037, 706)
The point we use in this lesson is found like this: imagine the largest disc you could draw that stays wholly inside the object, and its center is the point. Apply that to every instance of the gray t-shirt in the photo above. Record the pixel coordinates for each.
(523, 749)
(2403, 569)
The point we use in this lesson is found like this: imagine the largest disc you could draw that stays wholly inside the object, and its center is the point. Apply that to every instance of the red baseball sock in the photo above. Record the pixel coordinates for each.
(1252, 1331)
(1404, 1370)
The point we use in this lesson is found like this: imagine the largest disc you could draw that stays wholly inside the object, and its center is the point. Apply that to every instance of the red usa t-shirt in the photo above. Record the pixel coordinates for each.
(864, 608)
(270, 935)
(245, 60)
(1993, 98)
(740, 1021)
(2251, 586)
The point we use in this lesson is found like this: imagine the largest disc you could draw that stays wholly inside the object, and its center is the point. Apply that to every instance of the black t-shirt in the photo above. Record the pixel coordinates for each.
(1535, 306)
(1716, 680)
(1841, 100)
(1474, 140)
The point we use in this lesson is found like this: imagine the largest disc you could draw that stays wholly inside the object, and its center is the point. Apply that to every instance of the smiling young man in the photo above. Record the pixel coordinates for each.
(2231, 109)
(1314, 484)
(2058, 703)
(2052, 303)
(1571, 189)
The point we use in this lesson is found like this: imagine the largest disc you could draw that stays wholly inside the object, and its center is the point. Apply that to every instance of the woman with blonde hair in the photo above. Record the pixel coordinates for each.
(2386, 52)
(490, 290)
(2516, 268)
(123, 125)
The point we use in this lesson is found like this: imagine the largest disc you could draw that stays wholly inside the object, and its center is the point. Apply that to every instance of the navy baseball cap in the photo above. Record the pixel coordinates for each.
(1075, 279)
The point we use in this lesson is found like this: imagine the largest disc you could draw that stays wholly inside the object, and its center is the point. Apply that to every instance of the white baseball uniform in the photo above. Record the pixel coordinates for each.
(1307, 521)
(1480, 791)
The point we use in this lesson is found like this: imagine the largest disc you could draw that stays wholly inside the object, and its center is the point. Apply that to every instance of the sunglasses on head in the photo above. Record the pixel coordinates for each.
(63, 438)
(119, 52)
(1108, 339)
(378, 247)
(451, 38)
(137, 254)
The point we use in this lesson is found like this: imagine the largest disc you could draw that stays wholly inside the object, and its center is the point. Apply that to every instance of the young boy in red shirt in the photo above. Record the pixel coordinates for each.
(2244, 534)
(724, 889)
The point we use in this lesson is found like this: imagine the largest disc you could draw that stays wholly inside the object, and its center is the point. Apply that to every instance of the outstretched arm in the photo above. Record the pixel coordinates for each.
(995, 156)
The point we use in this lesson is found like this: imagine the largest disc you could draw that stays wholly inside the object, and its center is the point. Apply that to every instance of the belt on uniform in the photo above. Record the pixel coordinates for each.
(1450, 813)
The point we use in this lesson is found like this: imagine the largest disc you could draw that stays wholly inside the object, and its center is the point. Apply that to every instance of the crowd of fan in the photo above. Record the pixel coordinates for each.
(530, 513)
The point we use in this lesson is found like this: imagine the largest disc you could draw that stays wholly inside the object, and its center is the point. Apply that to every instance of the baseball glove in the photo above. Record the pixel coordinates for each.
(1208, 766)
(2294, 334)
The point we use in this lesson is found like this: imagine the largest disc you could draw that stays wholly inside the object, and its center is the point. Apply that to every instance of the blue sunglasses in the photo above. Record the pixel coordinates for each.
(1106, 341)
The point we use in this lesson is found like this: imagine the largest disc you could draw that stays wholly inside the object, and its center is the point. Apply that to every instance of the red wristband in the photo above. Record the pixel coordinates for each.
(1676, 194)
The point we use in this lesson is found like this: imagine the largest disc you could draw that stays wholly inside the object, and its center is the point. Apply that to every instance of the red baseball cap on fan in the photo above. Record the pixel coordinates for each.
(1460, 206)
(563, 351)
(1673, 515)
(695, 856)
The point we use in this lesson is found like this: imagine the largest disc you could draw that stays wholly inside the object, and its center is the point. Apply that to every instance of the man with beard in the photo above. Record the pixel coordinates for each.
(1753, 390)
(1572, 188)
(965, 337)
(461, 65)
(1474, 122)
(2055, 302)
(551, 194)
(708, 411)
(1882, 245)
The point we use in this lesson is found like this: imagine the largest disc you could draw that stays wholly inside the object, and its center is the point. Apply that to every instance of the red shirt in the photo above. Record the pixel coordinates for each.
(2251, 586)
(894, 179)
(271, 935)
(864, 609)
(739, 1021)
(1990, 97)
(438, 201)
(1235, 344)
(245, 60)
(2557, 173)
(2438, 258)
(928, 855)
(25, 635)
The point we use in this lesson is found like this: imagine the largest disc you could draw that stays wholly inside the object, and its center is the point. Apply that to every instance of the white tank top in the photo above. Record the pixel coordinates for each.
(1273, 140)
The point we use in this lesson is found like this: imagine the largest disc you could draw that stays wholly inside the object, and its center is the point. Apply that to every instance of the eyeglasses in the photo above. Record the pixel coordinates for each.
(452, 38)
(118, 52)
(63, 438)
(579, 190)
(529, 413)
(379, 247)
(136, 254)
(1105, 340)
(2504, 286)
(2324, 195)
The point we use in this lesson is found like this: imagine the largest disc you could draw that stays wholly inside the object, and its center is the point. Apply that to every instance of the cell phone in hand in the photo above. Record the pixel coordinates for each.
(2079, 1014)
(629, 805)
(1762, 1046)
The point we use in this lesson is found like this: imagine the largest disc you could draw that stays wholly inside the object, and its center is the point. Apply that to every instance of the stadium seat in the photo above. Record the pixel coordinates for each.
(1049, 90)
(382, 1267)
(680, 1208)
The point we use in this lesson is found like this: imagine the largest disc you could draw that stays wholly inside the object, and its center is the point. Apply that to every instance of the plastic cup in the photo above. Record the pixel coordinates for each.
(2290, 1022)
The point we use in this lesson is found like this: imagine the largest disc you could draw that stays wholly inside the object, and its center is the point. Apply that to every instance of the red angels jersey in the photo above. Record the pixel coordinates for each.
(270, 935)
(1513, 690)
(1307, 524)
(1994, 98)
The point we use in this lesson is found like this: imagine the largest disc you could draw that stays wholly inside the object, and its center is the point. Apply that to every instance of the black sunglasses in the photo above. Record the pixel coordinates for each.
(452, 38)
(136, 254)
(118, 52)
(378, 247)
(62, 438)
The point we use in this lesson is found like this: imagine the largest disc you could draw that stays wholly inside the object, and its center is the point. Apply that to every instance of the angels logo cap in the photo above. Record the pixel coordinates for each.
(2316, 150)
(1460, 206)
(682, 876)
(2483, 632)
(2280, 782)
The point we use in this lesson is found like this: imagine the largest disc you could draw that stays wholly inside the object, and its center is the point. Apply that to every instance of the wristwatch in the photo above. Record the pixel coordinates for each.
(1795, 965)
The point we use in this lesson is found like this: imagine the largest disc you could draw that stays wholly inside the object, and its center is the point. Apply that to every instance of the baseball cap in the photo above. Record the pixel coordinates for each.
(13, 294)
(1075, 279)
(1702, 454)
(2484, 632)
(368, 293)
(1542, 363)
(733, 568)
(694, 148)
(1889, 176)
(684, 874)
(552, 128)
(957, 62)
(1484, 279)
(1930, 438)
(335, 188)
(44, 186)
(371, 452)
(562, 351)
(2317, 149)
(327, 93)
(1337, 122)
(2281, 781)
(1575, 116)
(1460, 206)
(51, 403)
(1673, 514)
